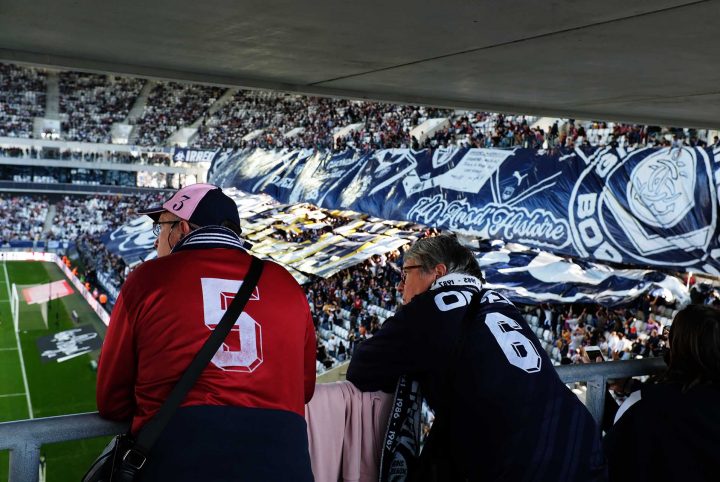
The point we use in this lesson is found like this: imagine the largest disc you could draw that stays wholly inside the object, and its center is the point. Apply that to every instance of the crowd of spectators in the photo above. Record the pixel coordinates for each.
(481, 129)
(22, 98)
(91, 103)
(124, 157)
(22, 218)
(347, 299)
(277, 120)
(170, 106)
(75, 217)
(620, 334)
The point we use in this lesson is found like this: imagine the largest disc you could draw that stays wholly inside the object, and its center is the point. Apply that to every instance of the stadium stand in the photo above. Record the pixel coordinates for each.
(91, 103)
(348, 306)
(22, 98)
(170, 106)
(22, 218)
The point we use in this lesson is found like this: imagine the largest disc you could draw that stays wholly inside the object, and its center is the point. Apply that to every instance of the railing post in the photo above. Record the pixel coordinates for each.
(595, 397)
(25, 462)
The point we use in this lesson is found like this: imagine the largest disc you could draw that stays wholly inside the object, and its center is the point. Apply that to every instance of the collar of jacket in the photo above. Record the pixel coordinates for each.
(457, 279)
(209, 237)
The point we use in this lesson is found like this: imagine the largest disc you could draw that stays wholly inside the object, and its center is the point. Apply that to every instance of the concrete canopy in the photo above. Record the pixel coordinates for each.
(647, 61)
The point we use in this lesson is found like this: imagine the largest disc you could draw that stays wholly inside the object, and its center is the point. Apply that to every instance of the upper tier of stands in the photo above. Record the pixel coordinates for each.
(22, 98)
(90, 104)
(171, 106)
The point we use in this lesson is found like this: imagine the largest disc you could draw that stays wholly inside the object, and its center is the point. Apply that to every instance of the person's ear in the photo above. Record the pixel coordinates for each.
(440, 270)
(184, 228)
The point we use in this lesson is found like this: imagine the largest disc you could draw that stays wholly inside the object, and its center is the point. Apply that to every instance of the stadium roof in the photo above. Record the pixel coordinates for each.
(647, 61)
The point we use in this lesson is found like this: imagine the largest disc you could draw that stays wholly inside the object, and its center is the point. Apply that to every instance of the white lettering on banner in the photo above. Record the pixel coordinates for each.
(193, 156)
(518, 349)
(242, 350)
(286, 183)
(493, 220)
(335, 163)
(606, 163)
(586, 205)
(590, 232)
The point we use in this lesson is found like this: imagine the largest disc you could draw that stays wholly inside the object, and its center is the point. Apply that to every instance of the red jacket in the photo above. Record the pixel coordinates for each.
(164, 314)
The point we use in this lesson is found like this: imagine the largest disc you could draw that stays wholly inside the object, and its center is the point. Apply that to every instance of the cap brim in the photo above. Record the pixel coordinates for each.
(154, 212)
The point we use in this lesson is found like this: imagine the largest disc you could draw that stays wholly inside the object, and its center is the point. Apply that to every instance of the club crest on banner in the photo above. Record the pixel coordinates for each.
(657, 207)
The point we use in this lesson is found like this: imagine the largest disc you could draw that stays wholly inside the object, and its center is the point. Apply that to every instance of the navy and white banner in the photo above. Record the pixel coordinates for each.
(532, 277)
(649, 206)
(133, 241)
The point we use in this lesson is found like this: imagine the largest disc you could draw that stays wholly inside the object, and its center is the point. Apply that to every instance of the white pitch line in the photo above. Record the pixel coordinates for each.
(12, 395)
(20, 353)
(10, 348)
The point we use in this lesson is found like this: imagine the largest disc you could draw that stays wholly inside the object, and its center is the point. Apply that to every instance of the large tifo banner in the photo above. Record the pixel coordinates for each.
(648, 206)
(531, 277)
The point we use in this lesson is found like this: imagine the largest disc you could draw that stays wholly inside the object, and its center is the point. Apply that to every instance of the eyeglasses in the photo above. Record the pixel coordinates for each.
(403, 273)
(157, 226)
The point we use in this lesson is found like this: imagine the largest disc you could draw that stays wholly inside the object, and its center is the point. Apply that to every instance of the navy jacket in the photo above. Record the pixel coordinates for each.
(505, 414)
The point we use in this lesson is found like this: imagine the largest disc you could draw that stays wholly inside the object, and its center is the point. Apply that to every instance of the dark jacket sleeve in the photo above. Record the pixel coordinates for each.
(378, 362)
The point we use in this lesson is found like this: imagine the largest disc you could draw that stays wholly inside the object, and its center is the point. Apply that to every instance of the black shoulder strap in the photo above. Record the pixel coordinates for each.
(151, 431)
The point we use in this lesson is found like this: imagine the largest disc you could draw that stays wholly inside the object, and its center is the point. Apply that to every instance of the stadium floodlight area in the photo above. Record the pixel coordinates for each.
(29, 303)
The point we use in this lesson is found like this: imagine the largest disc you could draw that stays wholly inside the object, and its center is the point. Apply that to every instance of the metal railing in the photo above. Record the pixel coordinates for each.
(25, 437)
(597, 374)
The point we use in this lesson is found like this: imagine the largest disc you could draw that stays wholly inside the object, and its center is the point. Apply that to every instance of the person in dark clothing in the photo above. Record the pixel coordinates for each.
(680, 412)
(502, 413)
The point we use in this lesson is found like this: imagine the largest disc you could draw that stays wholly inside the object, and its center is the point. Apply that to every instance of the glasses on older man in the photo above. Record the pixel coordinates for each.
(403, 273)
(157, 226)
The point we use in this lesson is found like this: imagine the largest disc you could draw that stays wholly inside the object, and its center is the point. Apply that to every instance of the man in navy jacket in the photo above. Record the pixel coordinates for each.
(502, 413)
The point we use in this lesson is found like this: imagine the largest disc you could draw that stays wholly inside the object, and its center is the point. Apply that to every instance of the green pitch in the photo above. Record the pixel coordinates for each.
(31, 389)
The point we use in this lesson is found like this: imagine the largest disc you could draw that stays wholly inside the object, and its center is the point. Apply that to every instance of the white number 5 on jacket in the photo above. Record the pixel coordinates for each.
(242, 350)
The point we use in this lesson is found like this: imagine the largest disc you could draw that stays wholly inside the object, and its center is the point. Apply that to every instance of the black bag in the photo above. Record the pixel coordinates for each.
(108, 466)
(122, 459)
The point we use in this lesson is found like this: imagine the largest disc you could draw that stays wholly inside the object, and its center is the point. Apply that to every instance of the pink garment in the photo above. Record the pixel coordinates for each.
(346, 428)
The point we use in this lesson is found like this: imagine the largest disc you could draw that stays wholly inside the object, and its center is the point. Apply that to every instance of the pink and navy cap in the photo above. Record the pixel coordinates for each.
(199, 204)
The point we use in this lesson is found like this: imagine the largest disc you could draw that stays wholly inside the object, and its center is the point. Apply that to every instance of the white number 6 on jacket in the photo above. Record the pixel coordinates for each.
(518, 349)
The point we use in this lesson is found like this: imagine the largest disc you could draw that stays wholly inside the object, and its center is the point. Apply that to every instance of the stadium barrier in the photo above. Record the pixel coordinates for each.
(25, 437)
(53, 258)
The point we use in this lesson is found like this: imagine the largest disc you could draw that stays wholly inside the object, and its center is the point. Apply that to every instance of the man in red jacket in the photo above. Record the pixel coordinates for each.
(244, 418)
